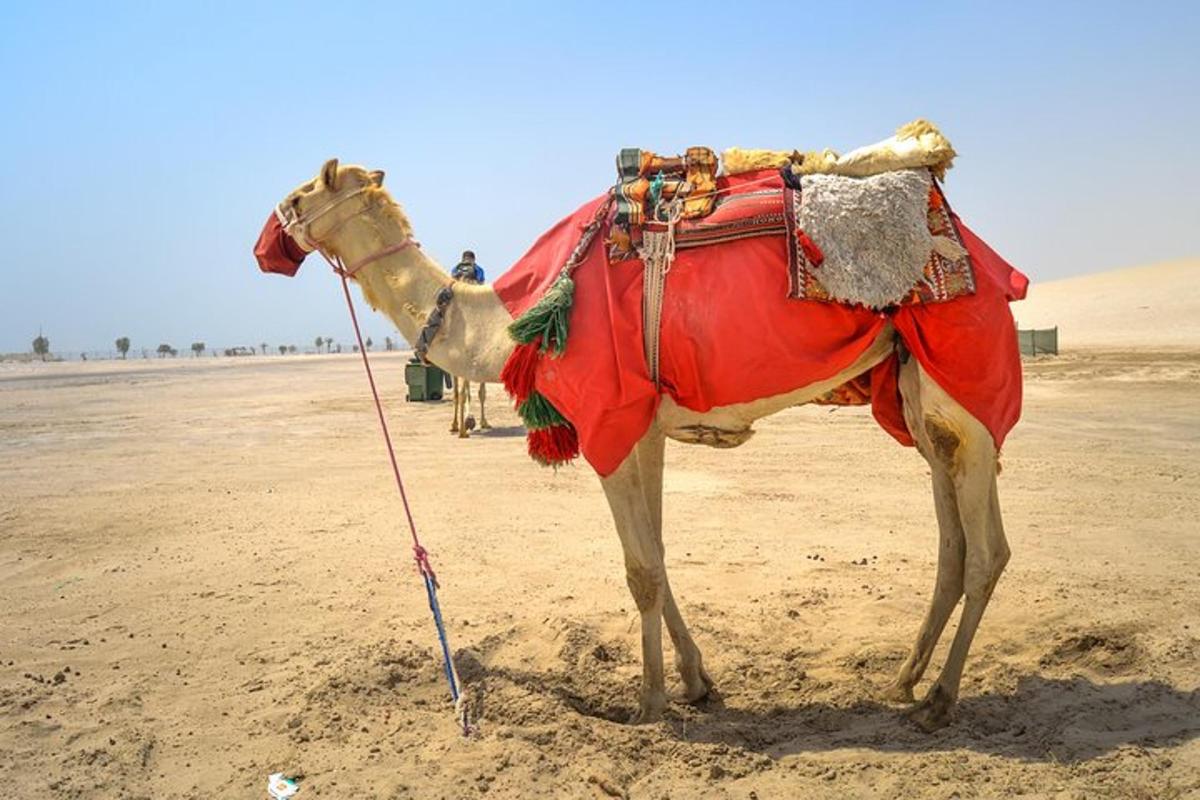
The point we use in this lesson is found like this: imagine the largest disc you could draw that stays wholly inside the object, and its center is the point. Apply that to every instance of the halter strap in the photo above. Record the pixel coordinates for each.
(385, 252)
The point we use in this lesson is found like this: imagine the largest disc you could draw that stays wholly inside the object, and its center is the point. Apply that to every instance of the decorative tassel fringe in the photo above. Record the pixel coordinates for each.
(537, 413)
(520, 370)
(548, 319)
(555, 445)
(811, 251)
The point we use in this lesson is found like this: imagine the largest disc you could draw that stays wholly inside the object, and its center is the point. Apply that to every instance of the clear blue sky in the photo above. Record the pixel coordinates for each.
(144, 144)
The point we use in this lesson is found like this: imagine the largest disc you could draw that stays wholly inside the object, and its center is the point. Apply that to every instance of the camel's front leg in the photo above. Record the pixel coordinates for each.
(645, 574)
(688, 661)
(483, 423)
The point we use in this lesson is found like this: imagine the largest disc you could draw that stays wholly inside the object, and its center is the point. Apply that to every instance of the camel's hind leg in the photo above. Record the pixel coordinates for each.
(454, 425)
(688, 661)
(947, 590)
(960, 448)
(483, 423)
(467, 421)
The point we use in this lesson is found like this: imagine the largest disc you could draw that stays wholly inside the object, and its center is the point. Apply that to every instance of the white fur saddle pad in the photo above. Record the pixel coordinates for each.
(876, 234)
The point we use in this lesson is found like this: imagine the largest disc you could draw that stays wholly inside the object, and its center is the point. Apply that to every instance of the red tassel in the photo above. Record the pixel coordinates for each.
(935, 198)
(555, 445)
(811, 251)
(520, 370)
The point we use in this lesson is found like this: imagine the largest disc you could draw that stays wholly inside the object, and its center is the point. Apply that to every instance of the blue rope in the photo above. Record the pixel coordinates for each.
(431, 590)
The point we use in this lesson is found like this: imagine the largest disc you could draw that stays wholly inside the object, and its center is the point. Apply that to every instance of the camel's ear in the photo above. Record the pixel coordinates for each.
(376, 176)
(329, 174)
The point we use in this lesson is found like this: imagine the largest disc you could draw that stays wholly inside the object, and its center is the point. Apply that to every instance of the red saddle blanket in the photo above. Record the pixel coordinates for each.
(731, 334)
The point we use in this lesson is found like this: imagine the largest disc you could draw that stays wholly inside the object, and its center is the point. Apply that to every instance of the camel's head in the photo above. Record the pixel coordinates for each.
(311, 214)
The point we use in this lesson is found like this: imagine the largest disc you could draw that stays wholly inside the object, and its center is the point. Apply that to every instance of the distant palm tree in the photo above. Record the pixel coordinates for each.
(123, 345)
(197, 348)
(369, 343)
(388, 344)
(41, 346)
(263, 348)
(328, 344)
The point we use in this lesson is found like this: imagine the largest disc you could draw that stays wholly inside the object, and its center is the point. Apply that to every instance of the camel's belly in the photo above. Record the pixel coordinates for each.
(730, 426)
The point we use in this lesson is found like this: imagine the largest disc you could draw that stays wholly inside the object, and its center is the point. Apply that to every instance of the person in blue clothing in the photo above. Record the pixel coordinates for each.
(467, 270)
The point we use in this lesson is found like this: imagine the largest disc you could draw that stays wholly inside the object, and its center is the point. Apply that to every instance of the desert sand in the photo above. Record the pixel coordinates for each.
(205, 578)
(1154, 306)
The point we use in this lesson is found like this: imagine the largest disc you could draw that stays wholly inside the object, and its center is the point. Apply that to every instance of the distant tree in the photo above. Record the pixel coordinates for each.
(283, 349)
(356, 348)
(319, 341)
(123, 345)
(264, 348)
(369, 343)
(164, 349)
(388, 344)
(339, 348)
(174, 352)
(291, 348)
(197, 348)
(328, 344)
(41, 346)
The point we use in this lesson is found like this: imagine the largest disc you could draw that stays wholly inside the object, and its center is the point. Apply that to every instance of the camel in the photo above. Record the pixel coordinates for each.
(463, 422)
(346, 212)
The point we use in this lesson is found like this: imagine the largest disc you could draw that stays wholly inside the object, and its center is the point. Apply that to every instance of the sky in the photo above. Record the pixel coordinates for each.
(144, 144)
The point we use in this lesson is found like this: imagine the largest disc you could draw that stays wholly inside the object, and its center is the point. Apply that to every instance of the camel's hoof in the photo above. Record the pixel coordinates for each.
(698, 686)
(454, 429)
(649, 710)
(935, 712)
(896, 692)
(485, 426)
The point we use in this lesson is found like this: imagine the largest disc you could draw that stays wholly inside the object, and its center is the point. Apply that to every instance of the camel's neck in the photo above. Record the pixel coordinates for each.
(473, 341)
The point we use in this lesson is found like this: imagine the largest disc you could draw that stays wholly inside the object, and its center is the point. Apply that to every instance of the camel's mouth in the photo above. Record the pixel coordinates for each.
(276, 250)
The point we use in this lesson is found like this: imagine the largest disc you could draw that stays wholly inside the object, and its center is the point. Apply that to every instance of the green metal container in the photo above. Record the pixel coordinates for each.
(425, 381)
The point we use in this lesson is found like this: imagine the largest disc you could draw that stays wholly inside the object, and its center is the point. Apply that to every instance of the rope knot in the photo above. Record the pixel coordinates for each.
(421, 556)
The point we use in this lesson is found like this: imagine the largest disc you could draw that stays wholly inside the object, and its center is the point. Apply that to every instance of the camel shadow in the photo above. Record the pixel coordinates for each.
(501, 432)
(1065, 720)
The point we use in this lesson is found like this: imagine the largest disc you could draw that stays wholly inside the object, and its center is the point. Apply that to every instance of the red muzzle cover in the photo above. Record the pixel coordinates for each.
(276, 251)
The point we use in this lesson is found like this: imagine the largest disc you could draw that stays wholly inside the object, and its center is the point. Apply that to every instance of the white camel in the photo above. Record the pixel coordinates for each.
(465, 273)
(346, 212)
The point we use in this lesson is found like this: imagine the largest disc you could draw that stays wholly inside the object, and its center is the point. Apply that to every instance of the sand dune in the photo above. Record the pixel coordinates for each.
(1152, 306)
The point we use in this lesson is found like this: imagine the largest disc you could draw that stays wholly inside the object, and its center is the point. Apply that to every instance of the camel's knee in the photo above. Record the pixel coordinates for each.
(983, 573)
(944, 444)
(646, 584)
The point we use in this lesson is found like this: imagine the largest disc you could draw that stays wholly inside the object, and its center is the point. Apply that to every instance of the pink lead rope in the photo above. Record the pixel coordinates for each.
(420, 554)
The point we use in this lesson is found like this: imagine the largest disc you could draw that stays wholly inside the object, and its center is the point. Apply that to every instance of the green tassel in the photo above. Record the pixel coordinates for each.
(537, 412)
(549, 318)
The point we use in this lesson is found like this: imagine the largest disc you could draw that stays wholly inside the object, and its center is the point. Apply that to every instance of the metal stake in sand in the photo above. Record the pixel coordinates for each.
(420, 554)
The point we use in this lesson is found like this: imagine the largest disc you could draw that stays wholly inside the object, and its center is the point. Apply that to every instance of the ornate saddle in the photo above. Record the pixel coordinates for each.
(649, 184)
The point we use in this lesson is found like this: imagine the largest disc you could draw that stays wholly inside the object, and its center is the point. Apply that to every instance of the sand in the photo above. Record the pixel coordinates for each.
(1151, 306)
(205, 578)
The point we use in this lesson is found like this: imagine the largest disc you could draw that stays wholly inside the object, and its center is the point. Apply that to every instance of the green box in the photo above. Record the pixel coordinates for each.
(425, 381)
